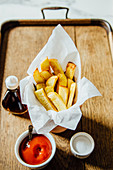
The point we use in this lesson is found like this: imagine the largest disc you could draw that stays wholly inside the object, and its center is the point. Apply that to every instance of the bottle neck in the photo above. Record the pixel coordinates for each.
(12, 90)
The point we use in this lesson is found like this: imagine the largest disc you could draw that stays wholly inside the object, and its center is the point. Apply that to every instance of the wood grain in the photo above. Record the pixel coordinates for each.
(92, 43)
(21, 45)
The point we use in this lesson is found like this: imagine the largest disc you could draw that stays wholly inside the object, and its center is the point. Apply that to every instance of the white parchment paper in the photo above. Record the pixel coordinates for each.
(59, 46)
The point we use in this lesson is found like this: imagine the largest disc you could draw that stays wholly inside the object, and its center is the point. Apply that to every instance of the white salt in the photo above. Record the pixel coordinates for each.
(82, 144)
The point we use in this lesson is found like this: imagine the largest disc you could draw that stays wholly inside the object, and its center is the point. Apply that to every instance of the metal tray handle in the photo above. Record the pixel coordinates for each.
(54, 8)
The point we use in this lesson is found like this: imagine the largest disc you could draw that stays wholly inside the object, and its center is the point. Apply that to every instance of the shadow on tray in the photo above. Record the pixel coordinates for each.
(103, 152)
(101, 156)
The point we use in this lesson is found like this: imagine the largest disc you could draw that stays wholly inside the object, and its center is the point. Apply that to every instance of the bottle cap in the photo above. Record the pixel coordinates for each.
(11, 82)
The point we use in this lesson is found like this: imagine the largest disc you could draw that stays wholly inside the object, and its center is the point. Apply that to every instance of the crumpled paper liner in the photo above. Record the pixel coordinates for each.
(59, 46)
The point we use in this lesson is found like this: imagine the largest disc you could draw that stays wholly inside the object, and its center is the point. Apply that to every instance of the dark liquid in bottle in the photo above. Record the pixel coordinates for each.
(12, 102)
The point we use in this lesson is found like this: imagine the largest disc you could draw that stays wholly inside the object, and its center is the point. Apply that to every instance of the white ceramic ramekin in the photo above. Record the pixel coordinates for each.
(39, 166)
(81, 145)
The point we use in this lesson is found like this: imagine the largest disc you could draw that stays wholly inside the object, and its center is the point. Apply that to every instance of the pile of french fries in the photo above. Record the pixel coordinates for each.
(55, 90)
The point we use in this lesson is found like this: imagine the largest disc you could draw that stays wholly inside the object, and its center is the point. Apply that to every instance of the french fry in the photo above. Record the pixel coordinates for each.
(45, 74)
(56, 66)
(70, 70)
(44, 100)
(57, 101)
(39, 86)
(52, 81)
(45, 65)
(57, 91)
(76, 95)
(69, 82)
(62, 80)
(71, 95)
(63, 92)
(37, 77)
(49, 89)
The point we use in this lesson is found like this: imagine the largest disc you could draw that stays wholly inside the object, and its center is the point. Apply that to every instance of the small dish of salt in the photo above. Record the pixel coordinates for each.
(81, 145)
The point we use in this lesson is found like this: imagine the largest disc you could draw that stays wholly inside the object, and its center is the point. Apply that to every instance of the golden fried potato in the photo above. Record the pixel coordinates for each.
(76, 95)
(57, 91)
(56, 66)
(52, 81)
(37, 77)
(57, 101)
(71, 95)
(49, 89)
(70, 70)
(45, 74)
(69, 82)
(45, 65)
(39, 86)
(44, 100)
(63, 92)
(62, 80)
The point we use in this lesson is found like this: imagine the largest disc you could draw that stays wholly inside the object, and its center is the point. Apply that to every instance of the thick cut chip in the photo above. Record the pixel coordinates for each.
(45, 65)
(39, 86)
(70, 70)
(44, 100)
(57, 101)
(62, 80)
(37, 77)
(69, 82)
(45, 74)
(56, 66)
(52, 81)
(76, 95)
(49, 89)
(71, 95)
(63, 92)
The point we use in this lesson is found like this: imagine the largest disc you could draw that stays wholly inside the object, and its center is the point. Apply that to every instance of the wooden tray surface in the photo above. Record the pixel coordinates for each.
(21, 41)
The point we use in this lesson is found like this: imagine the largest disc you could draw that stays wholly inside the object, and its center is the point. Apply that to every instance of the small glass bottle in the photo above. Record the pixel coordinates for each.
(12, 101)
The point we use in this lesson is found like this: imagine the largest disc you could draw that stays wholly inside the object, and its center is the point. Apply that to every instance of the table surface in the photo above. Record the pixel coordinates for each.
(20, 46)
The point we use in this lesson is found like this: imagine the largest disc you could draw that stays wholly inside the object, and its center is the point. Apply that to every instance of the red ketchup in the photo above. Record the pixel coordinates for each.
(36, 151)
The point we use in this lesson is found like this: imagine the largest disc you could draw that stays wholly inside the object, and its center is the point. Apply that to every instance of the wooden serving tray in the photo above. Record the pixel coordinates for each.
(21, 41)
